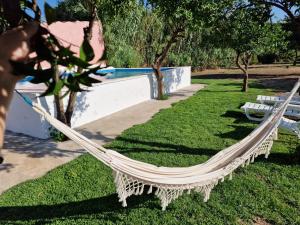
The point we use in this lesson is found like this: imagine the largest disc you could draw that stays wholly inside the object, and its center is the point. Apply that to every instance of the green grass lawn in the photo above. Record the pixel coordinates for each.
(82, 191)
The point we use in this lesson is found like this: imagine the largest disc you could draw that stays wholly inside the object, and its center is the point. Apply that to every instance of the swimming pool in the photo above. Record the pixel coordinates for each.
(114, 73)
(102, 99)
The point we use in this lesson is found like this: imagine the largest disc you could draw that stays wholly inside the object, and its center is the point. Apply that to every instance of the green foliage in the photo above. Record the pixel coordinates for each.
(56, 135)
(72, 10)
(50, 14)
(124, 55)
(247, 30)
(86, 51)
(164, 97)
(49, 49)
(135, 34)
(107, 9)
(125, 38)
(201, 57)
(190, 132)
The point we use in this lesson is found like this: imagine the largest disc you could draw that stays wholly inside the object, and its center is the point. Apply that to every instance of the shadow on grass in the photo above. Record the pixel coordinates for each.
(106, 206)
(280, 158)
(237, 115)
(218, 76)
(238, 133)
(282, 84)
(240, 76)
(278, 83)
(152, 147)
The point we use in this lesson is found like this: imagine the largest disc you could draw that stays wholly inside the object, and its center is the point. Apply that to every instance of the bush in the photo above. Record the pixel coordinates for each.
(56, 135)
(124, 56)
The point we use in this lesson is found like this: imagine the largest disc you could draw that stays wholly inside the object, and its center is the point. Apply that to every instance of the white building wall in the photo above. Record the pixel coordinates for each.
(101, 100)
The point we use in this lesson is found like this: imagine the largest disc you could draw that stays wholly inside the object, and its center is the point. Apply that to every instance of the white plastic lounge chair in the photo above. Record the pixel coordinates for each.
(290, 125)
(265, 110)
(271, 100)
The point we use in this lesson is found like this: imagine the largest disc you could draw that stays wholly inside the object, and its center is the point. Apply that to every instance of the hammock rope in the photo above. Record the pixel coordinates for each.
(132, 176)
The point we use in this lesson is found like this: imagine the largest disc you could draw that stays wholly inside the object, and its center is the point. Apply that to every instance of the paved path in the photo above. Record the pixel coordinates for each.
(28, 158)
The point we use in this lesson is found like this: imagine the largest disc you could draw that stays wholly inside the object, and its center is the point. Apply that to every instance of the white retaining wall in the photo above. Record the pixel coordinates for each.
(103, 99)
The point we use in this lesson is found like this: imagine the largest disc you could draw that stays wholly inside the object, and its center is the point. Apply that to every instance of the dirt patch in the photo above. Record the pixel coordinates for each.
(280, 84)
(260, 221)
(277, 77)
(255, 71)
(241, 222)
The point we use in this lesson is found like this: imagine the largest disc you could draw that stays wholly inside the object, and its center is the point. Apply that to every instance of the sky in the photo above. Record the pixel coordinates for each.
(50, 2)
(278, 14)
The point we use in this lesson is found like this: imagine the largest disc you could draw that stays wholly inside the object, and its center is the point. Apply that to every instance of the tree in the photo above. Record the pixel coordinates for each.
(292, 10)
(30, 37)
(178, 16)
(129, 29)
(248, 32)
(62, 114)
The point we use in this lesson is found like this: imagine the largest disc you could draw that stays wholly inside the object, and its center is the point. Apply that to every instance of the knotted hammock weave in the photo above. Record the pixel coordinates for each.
(131, 176)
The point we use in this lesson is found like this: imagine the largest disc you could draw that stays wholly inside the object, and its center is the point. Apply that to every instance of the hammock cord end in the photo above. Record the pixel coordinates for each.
(25, 98)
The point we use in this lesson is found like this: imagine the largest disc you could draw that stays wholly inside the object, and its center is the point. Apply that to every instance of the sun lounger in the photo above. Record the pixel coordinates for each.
(271, 100)
(290, 125)
(265, 110)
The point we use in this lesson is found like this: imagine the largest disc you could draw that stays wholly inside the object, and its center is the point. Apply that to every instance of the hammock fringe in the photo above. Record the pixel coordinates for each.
(127, 186)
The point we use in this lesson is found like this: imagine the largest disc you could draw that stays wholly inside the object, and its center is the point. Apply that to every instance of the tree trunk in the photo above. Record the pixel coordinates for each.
(245, 82)
(159, 78)
(70, 107)
(60, 114)
(159, 59)
(246, 61)
(73, 95)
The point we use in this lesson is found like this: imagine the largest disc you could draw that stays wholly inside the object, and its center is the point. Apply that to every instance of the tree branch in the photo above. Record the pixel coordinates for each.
(280, 6)
(174, 38)
(36, 10)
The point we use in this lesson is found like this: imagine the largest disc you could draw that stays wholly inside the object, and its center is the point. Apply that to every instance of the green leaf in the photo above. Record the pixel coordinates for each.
(42, 76)
(20, 68)
(43, 51)
(50, 14)
(88, 81)
(72, 60)
(86, 51)
(49, 90)
(58, 86)
(87, 72)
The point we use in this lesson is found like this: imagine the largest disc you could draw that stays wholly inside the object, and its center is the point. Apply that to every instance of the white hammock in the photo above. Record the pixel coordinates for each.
(131, 176)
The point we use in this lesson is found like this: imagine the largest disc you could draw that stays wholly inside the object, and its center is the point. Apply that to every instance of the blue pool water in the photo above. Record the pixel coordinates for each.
(127, 72)
(114, 73)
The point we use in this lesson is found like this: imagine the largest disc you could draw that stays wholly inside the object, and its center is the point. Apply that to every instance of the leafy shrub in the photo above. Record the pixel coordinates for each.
(56, 135)
(125, 56)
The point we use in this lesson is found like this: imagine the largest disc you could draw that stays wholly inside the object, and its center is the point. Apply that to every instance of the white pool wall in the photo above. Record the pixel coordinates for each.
(101, 100)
